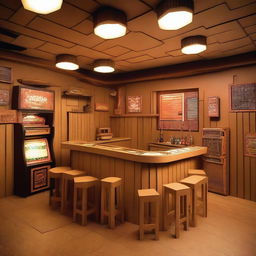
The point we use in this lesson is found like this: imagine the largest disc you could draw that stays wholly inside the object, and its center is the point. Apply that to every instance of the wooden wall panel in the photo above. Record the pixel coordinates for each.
(242, 169)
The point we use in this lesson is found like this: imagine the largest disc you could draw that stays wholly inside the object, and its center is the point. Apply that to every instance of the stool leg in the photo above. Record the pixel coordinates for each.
(97, 200)
(194, 203)
(111, 216)
(165, 209)
(75, 203)
(157, 204)
(63, 197)
(84, 207)
(51, 191)
(141, 219)
(121, 202)
(102, 208)
(177, 216)
(186, 199)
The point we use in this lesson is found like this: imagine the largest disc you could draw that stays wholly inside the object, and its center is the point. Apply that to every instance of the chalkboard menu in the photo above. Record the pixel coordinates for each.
(242, 97)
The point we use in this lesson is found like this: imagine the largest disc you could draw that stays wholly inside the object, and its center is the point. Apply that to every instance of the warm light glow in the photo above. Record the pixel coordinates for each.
(104, 69)
(193, 49)
(67, 65)
(42, 6)
(110, 30)
(175, 19)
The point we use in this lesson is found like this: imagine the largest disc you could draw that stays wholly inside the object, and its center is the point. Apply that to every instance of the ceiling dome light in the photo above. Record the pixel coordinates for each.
(66, 61)
(104, 66)
(42, 6)
(174, 14)
(193, 44)
(109, 22)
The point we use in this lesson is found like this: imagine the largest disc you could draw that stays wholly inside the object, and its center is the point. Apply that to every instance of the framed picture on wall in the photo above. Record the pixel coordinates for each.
(5, 75)
(134, 104)
(242, 97)
(4, 97)
(213, 106)
(250, 145)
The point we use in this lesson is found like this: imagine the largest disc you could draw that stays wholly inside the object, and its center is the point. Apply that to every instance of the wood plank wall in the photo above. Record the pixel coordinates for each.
(144, 129)
(84, 123)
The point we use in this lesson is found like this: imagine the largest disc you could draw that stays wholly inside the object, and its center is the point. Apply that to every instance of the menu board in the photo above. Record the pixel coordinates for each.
(242, 97)
(171, 106)
(250, 145)
(36, 99)
(36, 151)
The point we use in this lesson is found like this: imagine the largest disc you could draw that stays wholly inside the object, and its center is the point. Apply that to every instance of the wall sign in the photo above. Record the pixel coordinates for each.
(213, 106)
(5, 75)
(242, 97)
(29, 98)
(8, 116)
(4, 97)
(134, 104)
(250, 145)
(101, 107)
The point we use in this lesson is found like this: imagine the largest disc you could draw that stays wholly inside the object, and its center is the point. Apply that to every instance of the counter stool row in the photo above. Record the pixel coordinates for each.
(183, 203)
(63, 179)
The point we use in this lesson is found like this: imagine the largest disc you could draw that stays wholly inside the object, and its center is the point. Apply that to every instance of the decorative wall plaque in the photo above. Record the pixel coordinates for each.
(101, 107)
(4, 97)
(6, 75)
(134, 104)
(8, 116)
(213, 106)
(250, 145)
(242, 97)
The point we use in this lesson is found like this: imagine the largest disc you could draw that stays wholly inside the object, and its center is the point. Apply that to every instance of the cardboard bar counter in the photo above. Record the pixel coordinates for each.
(138, 168)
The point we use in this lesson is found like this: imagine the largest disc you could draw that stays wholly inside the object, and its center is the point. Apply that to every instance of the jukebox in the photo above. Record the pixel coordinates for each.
(216, 161)
(33, 139)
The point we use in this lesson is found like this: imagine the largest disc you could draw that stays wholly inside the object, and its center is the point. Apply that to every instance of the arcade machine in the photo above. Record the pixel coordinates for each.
(33, 139)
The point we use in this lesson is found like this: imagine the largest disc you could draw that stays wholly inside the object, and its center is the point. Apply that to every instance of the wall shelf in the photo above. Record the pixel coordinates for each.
(134, 115)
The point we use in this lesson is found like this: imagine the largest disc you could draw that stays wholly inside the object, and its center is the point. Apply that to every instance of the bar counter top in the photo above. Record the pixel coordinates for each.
(131, 154)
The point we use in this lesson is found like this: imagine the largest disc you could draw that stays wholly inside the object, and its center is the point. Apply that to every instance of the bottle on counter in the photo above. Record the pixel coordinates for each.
(161, 137)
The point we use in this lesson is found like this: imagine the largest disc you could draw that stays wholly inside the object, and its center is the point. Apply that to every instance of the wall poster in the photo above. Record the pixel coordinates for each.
(4, 97)
(250, 145)
(213, 106)
(242, 97)
(134, 104)
(5, 75)
(9, 116)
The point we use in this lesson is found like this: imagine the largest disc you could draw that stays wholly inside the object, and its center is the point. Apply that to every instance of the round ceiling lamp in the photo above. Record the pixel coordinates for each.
(193, 44)
(174, 14)
(42, 6)
(66, 61)
(104, 66)
(109, 22)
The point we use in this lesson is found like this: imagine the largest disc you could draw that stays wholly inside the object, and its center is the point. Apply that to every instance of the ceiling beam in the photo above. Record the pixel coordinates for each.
(114, 80)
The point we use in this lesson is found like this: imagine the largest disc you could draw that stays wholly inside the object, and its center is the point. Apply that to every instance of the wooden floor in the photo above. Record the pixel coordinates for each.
(29, 227)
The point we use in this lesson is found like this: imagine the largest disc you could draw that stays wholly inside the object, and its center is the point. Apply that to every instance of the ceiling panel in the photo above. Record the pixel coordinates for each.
(64, 18)
(22, 16)
(230, 27)
(28, 42)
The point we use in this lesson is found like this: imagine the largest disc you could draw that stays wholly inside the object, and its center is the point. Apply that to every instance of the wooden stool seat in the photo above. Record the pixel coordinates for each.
(148, 196)
(84, 183)
(196, 182)
(55, 176)
(68, 176)
(180, 201)
(196, 172)
(112, 200)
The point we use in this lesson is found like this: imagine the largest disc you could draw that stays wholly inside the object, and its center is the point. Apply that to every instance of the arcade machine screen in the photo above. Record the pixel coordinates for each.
(37, 151)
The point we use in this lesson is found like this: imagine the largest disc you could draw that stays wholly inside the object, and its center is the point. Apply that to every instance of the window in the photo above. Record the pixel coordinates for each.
(178, 110)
